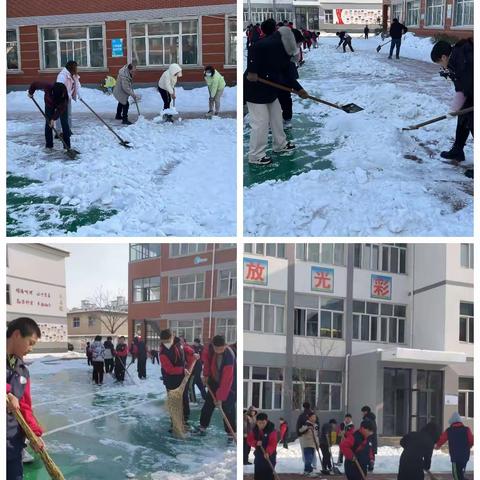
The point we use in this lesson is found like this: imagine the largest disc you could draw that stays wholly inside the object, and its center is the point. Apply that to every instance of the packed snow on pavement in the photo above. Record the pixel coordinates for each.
(386, 461)
(382, 181)
(178, 179)
(133, 443)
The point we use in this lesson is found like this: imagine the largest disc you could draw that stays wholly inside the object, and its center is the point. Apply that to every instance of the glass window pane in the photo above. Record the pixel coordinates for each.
(267, 395)
(275, 373)
(358, 306)
(463, 329)
(261, 296)
(385, 259)
(96, 31)
(314, 252)
(137, 29)
(280, 316)
(11, 35)
(372, 308)
(70, 33)
(256, 393)
(336, 396)
(278, 396)
(400, 311)
(394, 260)
(163, 28)
(257, 318)
(327, 253)
(155, 46)
(271, 250)
(311, 393)
(247, 294)
(248, 247)
(259, 373)
(392, 332)
(466, 308)
(356, 326)
(246, 316)
(401, 331)
(268, 319)
(337, 325)
(49, 33)
(326, 324)
(373, 329)
(470, 404)
(403, 261)
(312, 323)
(299, 327)
(330, 376)
(170, 46)
(277, 298)
(300, 251)
(189, 49)
(339, 254)
(386, 309)
(260, 248)
(332, 303)
(189, 26)
(365, 327)
(281, 250)
(324, 400)
(139, 53)
(465, 383)
(50, 50)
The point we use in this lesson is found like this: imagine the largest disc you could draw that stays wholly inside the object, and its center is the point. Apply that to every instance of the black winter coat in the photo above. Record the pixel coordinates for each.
(397, 29)
(461, 67)
(373, 439)
(416, 456)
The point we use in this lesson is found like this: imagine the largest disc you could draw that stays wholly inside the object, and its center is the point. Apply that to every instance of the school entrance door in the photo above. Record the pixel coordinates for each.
(429, 397)
(397, 396)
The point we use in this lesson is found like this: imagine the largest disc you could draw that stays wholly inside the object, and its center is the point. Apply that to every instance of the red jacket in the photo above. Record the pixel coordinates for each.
(49, 100)
(26, 409)
(271, 447)
(444, 436)
(168, 367)
(347, 444)
(226, 374)
(283, 430)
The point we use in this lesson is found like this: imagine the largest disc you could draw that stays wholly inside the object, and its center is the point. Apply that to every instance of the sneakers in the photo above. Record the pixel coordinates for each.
(288, 148)
(198, 430)
(261, 161)
(126, 121)
(389, 57)
(118, 117)
(209, 113)
(455, 153)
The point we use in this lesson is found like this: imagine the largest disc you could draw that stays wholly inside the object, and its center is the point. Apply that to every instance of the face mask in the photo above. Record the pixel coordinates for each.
(208, 74)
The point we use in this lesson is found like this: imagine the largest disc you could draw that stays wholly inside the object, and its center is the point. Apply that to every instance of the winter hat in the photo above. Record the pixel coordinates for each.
(252, 409)
(455, 418)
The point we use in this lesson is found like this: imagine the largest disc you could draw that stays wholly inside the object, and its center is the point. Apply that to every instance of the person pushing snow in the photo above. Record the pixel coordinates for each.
(166, 88)
(345, 40)
(216, 85)
(69, 77)
(124, 89)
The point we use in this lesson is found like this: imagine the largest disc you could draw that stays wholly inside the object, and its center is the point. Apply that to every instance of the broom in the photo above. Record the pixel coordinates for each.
(50, 465)
(175, 405)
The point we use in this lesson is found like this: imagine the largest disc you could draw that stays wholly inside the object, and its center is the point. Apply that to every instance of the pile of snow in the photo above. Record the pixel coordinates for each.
(46, 357)
(386, 461)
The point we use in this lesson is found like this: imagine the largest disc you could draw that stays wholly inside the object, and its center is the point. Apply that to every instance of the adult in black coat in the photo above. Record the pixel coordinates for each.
(142, 359)
(457, 62)
(397, 29)
(369, 415)
(417, 452)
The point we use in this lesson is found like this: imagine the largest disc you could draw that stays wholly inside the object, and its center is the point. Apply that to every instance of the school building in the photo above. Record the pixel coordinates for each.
(432, 17)
(35, 288)
(188, 287)
(347, 325)
(325, 15)
(102, 36)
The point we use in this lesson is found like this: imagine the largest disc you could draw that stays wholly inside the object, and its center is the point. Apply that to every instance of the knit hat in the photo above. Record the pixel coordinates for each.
(455, 418)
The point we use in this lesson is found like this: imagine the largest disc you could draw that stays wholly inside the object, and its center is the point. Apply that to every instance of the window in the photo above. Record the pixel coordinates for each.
(146, 289)
(248, 248)
(187, 287)
(163, 43)
(413, 13)
(390, 258)
(185, 249)
(263, 387)
(466, 255)
(397, 11)
(188, 329)
(463, 14)
(13, 61)
(330, 253)
(153, 336)
(225, 246)
(91, 321)
(379, 322)
(268, 249)
(264, 311)
(9, 300)
(227, 283)
(466, 322)
(228, 328)
(328, 16)
(142, 251)
(326, 322)
(435, 13)
(76, 322)
(82, 44)
(465, 397)
(322, 388)
(231, 44)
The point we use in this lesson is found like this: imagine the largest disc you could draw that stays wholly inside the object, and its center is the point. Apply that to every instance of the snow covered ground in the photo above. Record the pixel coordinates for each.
(386, 461)
(133, 443)
(178, 179)
(373, 179)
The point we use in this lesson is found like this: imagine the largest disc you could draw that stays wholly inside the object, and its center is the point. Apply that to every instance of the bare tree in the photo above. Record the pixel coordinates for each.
(111, 316)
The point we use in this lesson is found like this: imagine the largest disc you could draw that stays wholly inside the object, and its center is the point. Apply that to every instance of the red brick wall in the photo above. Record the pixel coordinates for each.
(29, 8)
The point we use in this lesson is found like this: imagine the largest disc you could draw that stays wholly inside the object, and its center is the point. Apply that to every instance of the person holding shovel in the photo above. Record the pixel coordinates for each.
(56, 102)
(98, 359)
(71, 79)
(22, 334)
(326, 438)
(121, 353)
(263, 438)
(124, 89)
(216, 85)
(397, 29)
(309, 442)
(166, 87)
(345, 41)
(219, 373)
(174, 360)
(358, 452)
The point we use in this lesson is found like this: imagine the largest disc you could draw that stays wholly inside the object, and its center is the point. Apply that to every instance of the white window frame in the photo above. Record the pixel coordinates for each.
(371, 257)
(143, 250)
(328, 15)
(190, 331)
(248, 383)
(19, 55)
(76, 322)
(104, 67)
(231, 282)
(432, 8)
(226, 327)
(470, 319)
(411, 6)
(309, 253)
(191, 249)
(199, 279)
(319, 311)
(225, 246)
(179, 20)
(149, 288)
(228, 63)
(276, 317)
(468, 248)
(462, 25)
(467, 401)
(397, 10)
(318, 383)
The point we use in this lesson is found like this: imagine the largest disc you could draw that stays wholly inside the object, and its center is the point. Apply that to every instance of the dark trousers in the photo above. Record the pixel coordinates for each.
(166, 97)
(347, 43)
(142, 367)
(352, 472)
(155, 357)
(396, 43)
(285, 99)
(49, 132)
(196, 381)
(89, 360)
(98, 372)
(458, 471)
(464, 127)
(15, 469)
(122, 111)
(326, 457)
(246, 451)
(263, 472)
(228, 408)
(366, 36)
(119, 369)
(109, 365)
(308, 454)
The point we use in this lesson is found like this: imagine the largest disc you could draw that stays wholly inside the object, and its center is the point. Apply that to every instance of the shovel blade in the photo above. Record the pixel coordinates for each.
(379, 48)
(72, 153)
(125, 144)
(351, 108)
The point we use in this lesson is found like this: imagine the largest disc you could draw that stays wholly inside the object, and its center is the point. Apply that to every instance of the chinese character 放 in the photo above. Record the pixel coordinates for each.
(255, 272)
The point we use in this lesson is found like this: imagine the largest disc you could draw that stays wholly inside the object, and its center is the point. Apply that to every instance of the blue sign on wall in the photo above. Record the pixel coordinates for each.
(117, 47)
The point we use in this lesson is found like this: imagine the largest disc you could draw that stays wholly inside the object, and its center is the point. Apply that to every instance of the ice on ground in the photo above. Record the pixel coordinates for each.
(382, 181)
(386, 461)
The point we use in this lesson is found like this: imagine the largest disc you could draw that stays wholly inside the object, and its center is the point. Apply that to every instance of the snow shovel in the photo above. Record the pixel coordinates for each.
(275, 474)
(127, 372)
(438, 119)
(123, 143)
(50, 465)
(349, 108)
(227, 422)
(362, 473)
(136, 103)
(335, 469)
(71, 152)
(380, 46)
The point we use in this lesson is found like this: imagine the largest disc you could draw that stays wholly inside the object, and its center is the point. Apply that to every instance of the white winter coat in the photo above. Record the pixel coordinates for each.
(168, 80)
(98, 352)
(309, 439)
(72, 82)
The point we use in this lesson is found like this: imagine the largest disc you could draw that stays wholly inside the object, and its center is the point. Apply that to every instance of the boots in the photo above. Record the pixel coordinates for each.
(455, 153)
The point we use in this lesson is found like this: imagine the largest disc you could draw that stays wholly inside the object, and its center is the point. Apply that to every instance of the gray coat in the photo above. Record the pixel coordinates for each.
(123, 88)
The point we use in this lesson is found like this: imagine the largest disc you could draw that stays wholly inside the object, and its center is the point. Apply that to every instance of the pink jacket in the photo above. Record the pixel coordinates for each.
(72, 84)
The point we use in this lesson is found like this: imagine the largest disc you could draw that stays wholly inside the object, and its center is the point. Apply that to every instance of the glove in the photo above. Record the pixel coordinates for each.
(371, 465)
(252, 77)
(302, 93)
